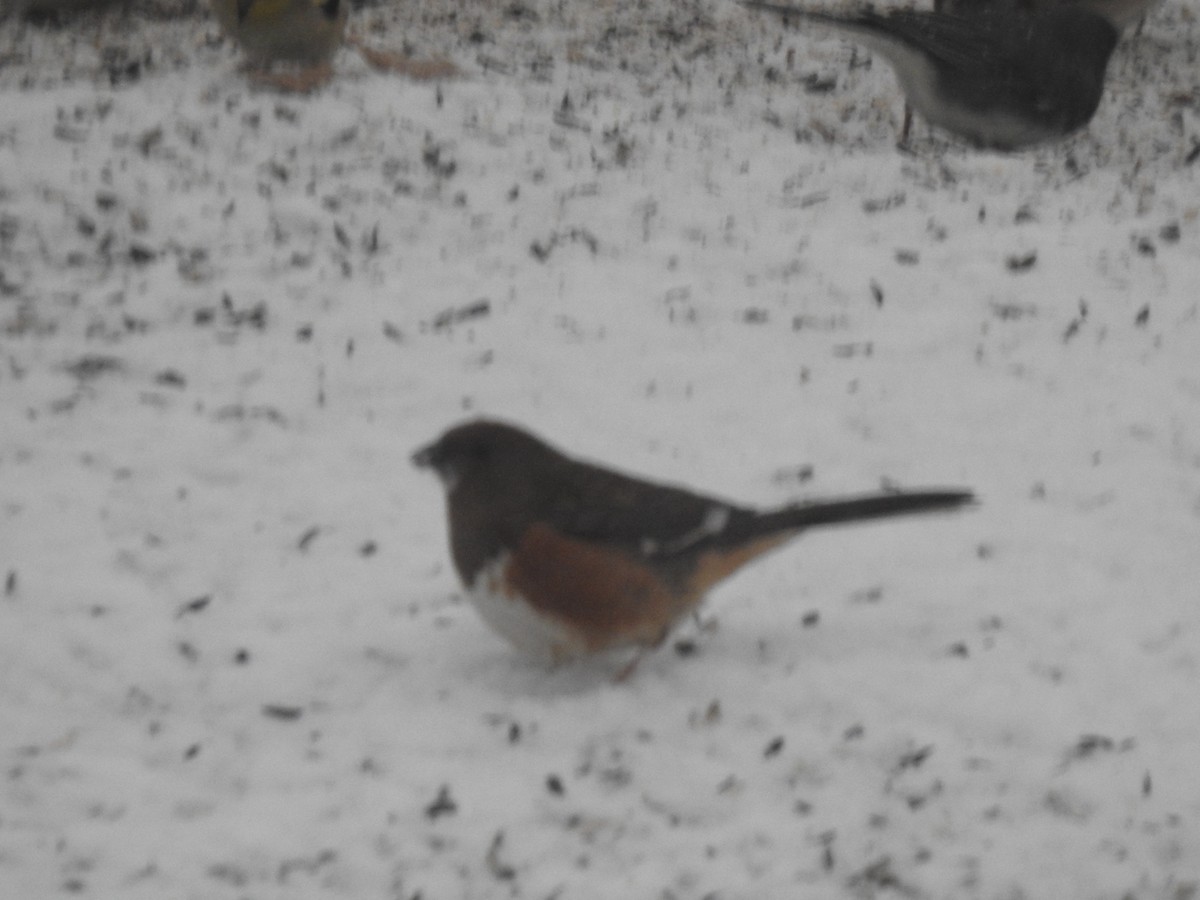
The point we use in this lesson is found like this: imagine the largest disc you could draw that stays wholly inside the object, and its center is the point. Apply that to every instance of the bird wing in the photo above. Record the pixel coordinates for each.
(975, 42)
(641, 517)
(984, 43)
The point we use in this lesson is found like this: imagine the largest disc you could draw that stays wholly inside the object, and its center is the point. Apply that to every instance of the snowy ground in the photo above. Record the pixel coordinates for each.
(234, 660)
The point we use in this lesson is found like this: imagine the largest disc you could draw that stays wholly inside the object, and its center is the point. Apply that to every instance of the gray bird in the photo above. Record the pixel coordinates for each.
(999, 78)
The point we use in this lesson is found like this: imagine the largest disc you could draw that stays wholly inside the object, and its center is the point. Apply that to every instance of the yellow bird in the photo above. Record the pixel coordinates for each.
(306, 33)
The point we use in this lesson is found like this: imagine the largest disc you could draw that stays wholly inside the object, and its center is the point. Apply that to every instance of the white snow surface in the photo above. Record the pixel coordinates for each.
(235, 661)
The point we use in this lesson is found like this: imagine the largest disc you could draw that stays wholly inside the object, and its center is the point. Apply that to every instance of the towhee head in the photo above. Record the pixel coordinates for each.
(483, 449)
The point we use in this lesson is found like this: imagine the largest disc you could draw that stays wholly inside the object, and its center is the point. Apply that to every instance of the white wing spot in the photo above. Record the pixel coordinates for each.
(715, 520)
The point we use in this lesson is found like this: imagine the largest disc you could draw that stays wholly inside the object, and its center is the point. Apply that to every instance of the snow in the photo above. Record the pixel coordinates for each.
(234, 658)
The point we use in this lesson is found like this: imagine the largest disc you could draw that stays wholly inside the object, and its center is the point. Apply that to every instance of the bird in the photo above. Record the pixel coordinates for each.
(566, 559)
(998, 78)
(306, 33)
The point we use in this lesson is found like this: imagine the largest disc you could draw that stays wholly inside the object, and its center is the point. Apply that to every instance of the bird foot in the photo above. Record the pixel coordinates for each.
(626, 671)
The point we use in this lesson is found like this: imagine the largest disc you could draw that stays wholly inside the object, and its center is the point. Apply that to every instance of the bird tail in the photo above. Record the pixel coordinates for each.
(748, 538)
(857, 509)
(795, 12)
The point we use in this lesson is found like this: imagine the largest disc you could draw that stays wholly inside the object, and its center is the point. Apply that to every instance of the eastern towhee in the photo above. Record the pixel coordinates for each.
(564, 558)
(1000, 77)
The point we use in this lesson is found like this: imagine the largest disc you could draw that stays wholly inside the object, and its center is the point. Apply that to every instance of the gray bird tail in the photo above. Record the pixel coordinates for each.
(793, 12)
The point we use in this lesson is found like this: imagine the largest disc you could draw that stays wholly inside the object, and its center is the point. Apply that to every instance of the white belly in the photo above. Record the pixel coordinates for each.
(537, 636)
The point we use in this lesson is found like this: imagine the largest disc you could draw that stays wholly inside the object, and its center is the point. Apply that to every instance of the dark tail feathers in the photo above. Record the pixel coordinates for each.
(855, 509)
(795, 12)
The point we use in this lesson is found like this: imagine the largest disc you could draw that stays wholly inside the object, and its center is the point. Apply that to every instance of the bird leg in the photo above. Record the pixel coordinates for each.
(906, 126)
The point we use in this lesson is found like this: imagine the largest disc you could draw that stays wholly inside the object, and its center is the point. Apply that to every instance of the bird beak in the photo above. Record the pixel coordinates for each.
(425, 457)
(433, 457)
